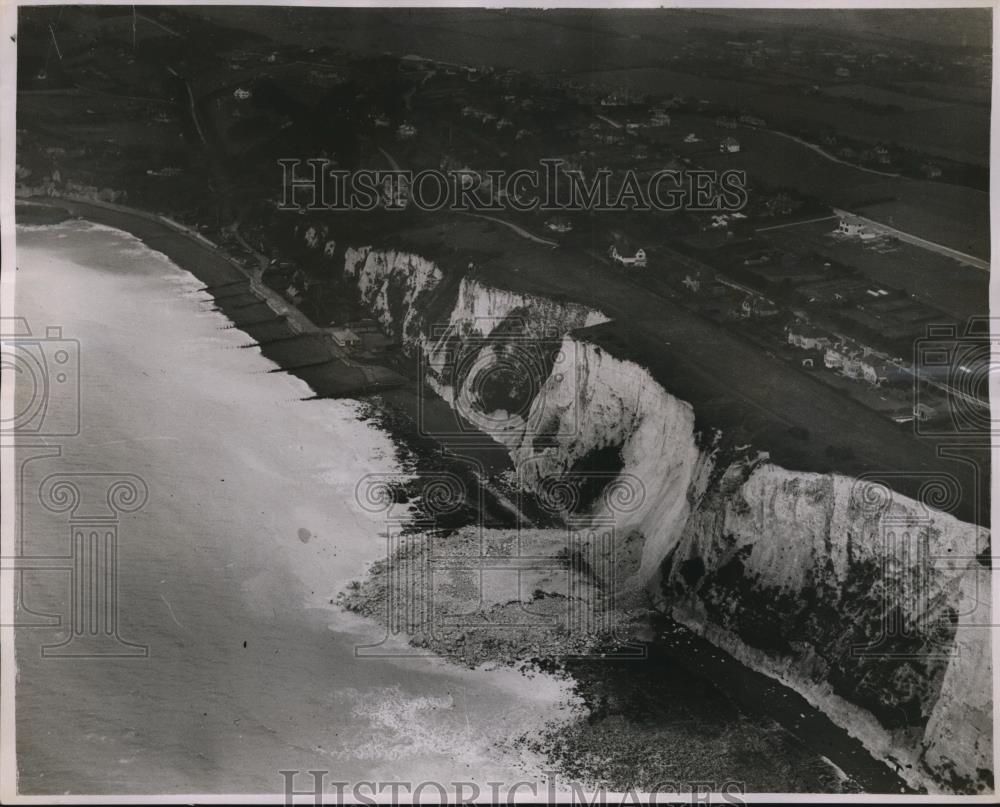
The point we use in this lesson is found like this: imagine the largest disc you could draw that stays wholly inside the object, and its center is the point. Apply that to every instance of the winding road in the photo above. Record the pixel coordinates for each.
(830, 157)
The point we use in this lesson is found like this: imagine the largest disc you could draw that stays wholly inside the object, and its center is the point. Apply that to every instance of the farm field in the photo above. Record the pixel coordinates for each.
(954, 92)
(879, 95)
(98, 119)
(958, 290)
(952, 215)
(627, 51)
(526, 41)
(957, 131)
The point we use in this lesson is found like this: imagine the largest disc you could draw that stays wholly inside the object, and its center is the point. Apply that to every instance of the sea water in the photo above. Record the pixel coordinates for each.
(229, 571)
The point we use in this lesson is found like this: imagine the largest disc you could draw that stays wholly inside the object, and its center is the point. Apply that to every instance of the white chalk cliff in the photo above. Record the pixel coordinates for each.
(810, 578)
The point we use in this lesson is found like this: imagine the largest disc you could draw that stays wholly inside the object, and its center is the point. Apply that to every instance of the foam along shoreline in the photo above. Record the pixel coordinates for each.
(251, 666)
(283, 334)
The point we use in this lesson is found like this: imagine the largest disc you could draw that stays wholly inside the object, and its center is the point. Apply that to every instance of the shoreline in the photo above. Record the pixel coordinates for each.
(252, 526)
(230, 285)
(284, 334)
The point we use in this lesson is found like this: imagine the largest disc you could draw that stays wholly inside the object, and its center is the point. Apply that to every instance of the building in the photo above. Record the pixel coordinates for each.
(752, 121)
(637, 260)
(395, 195)
(930, 170)
(729, 146)
(851, 363)
(241, 94)
(808, 338)
(406, 131)
(345, 338)
(851, 228)
(842, 72)
(725, 123)
(756, 305)
(558, 224)
(691, 138)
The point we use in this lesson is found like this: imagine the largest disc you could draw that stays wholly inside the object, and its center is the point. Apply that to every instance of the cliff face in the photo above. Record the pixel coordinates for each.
(868, 603)
(625, 445)
(394, 285)
(862, 600)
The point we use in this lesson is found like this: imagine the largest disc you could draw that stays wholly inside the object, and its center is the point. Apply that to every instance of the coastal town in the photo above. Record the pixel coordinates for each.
(857, 273)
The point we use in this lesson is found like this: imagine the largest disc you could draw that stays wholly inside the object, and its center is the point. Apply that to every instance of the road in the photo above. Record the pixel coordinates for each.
(793, 224)
(158, 24)
(391, 159)
(917, 241)
(831, 158)
(519, 230)
(607, 120)
(191, 101)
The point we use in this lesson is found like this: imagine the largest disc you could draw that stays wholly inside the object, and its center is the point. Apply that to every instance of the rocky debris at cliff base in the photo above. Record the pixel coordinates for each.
(653, 725)
(496, 596)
